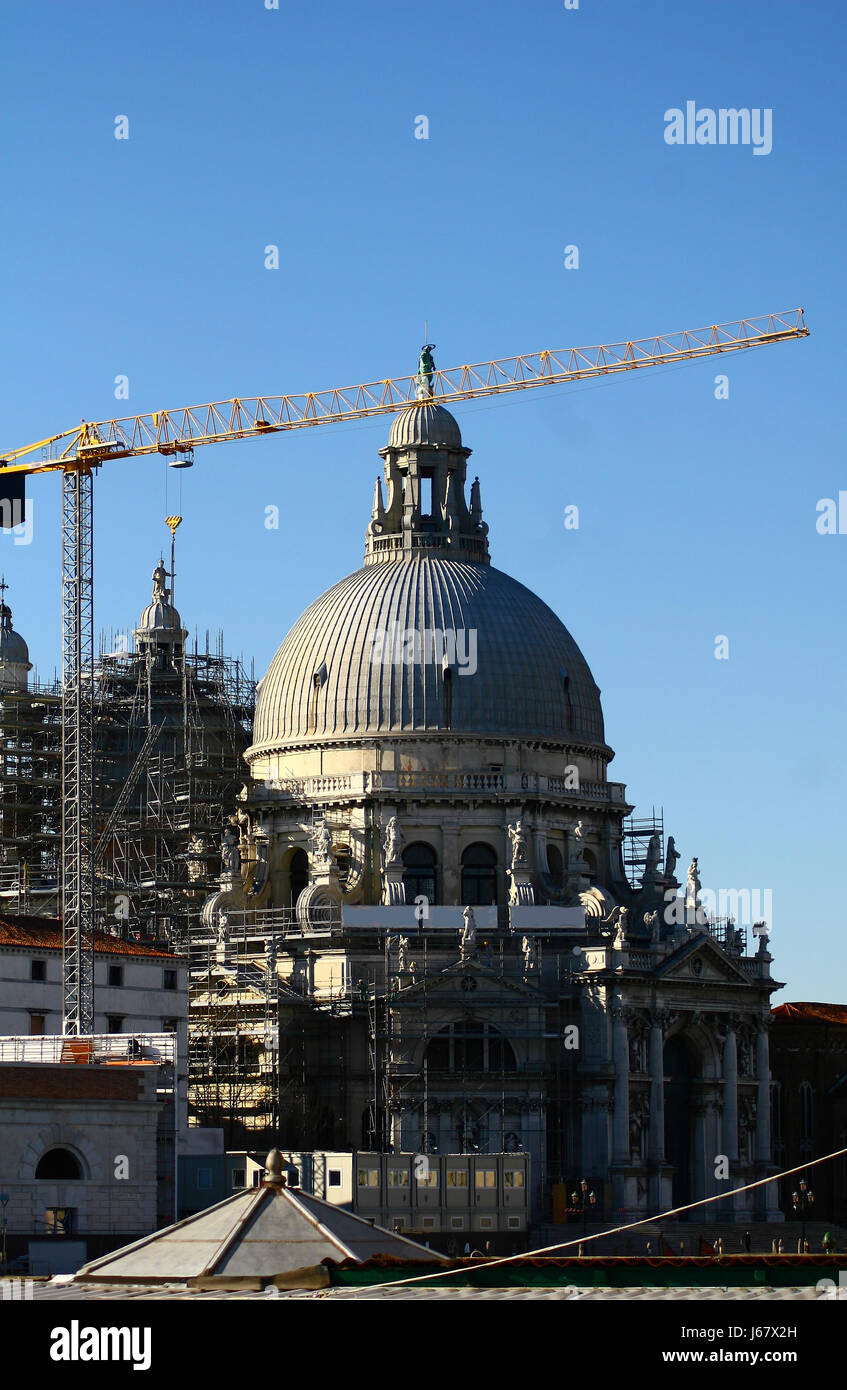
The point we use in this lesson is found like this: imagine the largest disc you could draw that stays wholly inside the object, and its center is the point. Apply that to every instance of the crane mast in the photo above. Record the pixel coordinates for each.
(77, 865)
(77, 452)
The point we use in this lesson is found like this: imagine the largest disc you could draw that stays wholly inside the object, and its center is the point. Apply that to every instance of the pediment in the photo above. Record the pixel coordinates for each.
(468, 977)
(702, 961)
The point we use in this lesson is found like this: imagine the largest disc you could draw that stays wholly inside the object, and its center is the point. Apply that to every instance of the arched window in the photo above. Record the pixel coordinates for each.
(479, 876)
(419, 871)
(470, 1046)
(554, 865)
(58, 1165)
(298, 873)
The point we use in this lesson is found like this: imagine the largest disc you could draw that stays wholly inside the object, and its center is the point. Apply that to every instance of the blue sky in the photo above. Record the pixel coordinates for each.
(295, 127)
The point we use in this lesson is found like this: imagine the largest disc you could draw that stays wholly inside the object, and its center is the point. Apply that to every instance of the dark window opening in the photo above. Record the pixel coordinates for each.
(298, 873)
(116, 975)
(170, 979)
(38, 970)
(479, 876)
(447, 679)
(58, 1165)
(419, 872)
(470, 1046)
(554, 865)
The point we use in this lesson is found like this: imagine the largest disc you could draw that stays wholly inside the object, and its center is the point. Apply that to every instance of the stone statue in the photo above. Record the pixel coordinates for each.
(160, 591)
(578, 854)
(651, 920)
(223, 927)
(321, 841)
(230, 851)
(654, 855)
(403, 948)
(517, 835)
(394, 842)
(621, 926)
(426, 367)
(530, 962)
(671, 858)
(468, 939)
(692, 886)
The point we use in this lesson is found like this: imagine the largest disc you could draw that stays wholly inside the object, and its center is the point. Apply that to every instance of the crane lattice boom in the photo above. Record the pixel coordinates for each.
(172, 432)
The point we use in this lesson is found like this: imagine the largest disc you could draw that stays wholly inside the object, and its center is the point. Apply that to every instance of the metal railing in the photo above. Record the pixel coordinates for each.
(90, 1049)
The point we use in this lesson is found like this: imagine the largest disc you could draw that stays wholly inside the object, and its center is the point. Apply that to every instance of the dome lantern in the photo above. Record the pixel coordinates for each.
(160, 633)
(425, 473)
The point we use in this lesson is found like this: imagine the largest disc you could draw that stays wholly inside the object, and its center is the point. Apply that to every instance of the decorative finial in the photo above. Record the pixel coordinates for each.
(273, 1169)
(3, 587)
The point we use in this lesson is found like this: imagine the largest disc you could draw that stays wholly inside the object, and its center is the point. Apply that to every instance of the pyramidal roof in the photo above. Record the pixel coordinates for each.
(259, 1234)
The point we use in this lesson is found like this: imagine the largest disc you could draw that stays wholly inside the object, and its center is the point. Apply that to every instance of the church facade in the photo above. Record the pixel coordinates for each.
(429, 854)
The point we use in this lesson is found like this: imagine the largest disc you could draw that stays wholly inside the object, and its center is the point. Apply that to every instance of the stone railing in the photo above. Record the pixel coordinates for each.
(471, 783)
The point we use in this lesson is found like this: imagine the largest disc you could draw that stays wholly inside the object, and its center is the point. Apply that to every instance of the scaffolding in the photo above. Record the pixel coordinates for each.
(637, 835)
(170, 741)
(30, 797)
(501, 1069)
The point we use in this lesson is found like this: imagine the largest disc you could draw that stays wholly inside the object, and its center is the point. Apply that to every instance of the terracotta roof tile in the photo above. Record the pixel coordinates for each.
(810, 1013)
(45, 934)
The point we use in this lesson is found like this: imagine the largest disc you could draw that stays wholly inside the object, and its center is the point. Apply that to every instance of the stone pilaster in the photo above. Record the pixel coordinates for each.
(656, 1067)
(620, 1057)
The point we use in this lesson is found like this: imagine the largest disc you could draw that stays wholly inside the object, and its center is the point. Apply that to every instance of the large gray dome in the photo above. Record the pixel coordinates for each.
(531, 680)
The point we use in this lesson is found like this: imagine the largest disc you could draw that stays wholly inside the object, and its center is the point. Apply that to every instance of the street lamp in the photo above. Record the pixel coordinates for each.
(803, 1201)
(583, 1201)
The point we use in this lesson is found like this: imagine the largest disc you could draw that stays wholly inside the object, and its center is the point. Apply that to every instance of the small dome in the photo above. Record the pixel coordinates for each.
(424, 423)
(12, 646)
(159, 617)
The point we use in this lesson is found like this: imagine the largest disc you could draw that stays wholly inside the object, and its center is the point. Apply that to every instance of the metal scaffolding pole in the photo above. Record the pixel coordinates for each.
(77, 751)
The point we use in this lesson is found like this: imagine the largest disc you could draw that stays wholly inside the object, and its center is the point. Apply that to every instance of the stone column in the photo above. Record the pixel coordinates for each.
(656, 1067)
(620, 1057)
(763, 1098)
(729, 1136)
(451, 877)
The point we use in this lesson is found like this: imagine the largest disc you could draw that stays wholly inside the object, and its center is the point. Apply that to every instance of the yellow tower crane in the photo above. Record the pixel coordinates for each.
(76, 454)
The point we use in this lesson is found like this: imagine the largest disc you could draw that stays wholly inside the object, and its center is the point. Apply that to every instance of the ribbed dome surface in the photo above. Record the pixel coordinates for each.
(159, 616)
(424, 423)
(531, 680)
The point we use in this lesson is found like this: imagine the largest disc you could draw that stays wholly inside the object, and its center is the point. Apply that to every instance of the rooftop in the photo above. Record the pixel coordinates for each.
(810, 1013)
(45, 934)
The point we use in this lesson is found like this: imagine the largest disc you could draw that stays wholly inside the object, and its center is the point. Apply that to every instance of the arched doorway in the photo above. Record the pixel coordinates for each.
(679, 1072)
